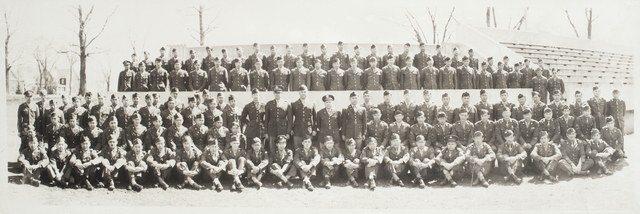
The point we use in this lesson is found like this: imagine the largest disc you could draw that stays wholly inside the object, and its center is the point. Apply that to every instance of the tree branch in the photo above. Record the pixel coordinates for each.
(103, 26)
(446, 26)
(570, 22)
(419, 27)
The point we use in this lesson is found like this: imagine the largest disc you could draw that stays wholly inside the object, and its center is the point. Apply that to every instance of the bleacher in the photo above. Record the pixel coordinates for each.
(580, 68)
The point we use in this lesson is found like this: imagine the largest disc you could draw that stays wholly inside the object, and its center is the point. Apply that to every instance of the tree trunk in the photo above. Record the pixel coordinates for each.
(488, 16)
(493, 12)
(6, 62)
(202, 33)
(589, 22)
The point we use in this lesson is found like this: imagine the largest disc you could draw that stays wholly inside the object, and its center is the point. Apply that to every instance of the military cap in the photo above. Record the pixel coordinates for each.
(236, 60)
(238, 48)
(422, 44)
(219, 94)
(322, 46)
(177, 116)
(196, 95)
(520, 96)
(477, 134)
(156, 117)
(216, 59)
(147, 96)
(349, 141)
(254, 91)
(278, 58)
(335, 60)
(171, 99)
(135, 116)
(408, 58)
(394, 136)
(419, 114)
(91, 119)
(162, 49)
(535, 93)
(277, 89)
(112, 119)
(455, 48)
(483, 63)
(53, 114)
(113, 96)
(282, 139)
(438, 46)
(340, 43)
(489, 58)
(425, 91)
(595, 131)
(356, 47)
(303, 88)
(465, 58)
(483, 112)
(28, 93)
(503, 92)
(375, 111)
(199, 116)
(397, 112)
(445, 95)
(441, 114)
(616, 91)
(255, 140)
(126, 62)
(386, 93)
(158, 60)
(578, 92)
(325, 98)
(231, 97)
(451, 138)
(353, 94)
(526, 60)
(548, 110)
(565, 107)
(217, 119)
(365, 92)
(499, 63)
(543, 134)
(556, 92)
(372, 47)
(124, 96)
(328, 138)
(505, 57)
(571, 131)
(526, 111)
(609, 119)
(135, 95)
(447, 59)
(465, 94)
(191, 99)
(586, 107)
(482, 91)
(175, 89)
(406, 91)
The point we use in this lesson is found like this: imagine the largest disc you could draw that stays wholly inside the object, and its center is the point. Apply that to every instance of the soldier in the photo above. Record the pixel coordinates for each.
(490, 67)
(218, 134)
(329, 120)
(484, 78)
(125, 78)
(420, 59)
(555, 83)
(421, 128)
(471, 110)
(377, 129)
(396, 157)
(253, 117)
(212, 163)
(271, 62)
(614, 137)
(141, 78)
(279, 76)
(500, 77)
(576, 108)
(92, 132)
(410, 76)
(518, 111)
(113, 159)
(442, 129)
(335, 77)
(158, 77)
(446, 108)
(428, 107)
(354, 121)
(390, 75)
(49, 120)
(600, 152)
(218, 77)
(235, 158)
(189, 64)
(59, 168)
(351, 162)
(451, 161)
(28, 112)
(256, 162)
(473, 62)
(374, 54)
(456, 62)
(43, 106)
(574, 161)
(325, 58)
(161, 160)
(278, 118)
(556, 104)
(147, 111)
(408, 108)
(135, 101)
(136, 167)
(353, 77)
(163, 59)
(299, 75)
(400, 128)
(367, 104)
(422, 160)
(403, 56)
(72, 132)
(171, 64)
(463, 129)
(429, 75)
(33, 161)
(154, 132)
(281, 161)
(257, 56)
(483, 104)
(238, 77)
(551, 126)
(545, 157)
(198, 132)
(124, 112)
(527, 75)
(438, 59)
(487, 128)
(308, 59)
(529, 135)
(303, 117)
(387, 108)
(198, 78)
(241, 58)
(466, 75)
(179, 78)
(168, 114)
(207, 62)
(134, 131)
(504, 124)
(77, 110)
(289, 58)
(361, 62)
(305, 161)
(84, 163)
(565, 122)
(514, 80)
(331, 159)
(503, 105)
(481, 158)
(447, 76)
(510, 157)
(318, 77)
(598, 107)
(342, 56)
(65, 103)
(584, 124)
(259, 78)
(617, 108)
(539, 84)
(505, 61)
(188, 164)
(231, 113)
(111, 131)
(538, 107)
(221, 103)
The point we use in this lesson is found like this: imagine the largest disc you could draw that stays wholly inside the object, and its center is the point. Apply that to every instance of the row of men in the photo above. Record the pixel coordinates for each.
(300, 118)
(81, 166)
(344, 73)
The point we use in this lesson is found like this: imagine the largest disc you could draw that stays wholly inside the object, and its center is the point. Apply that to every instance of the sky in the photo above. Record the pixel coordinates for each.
(152, 24)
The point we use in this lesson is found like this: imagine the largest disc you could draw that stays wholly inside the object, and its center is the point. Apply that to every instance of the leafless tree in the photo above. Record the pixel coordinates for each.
(72, 61)
(202, 32)
(106, 74)
(433, 22)
(493, 12)
(588, 12)
(84, 41)
(446, 26)
(8, 64)
(522, 20)
(570, 22)
(488, 16)
(46, 60)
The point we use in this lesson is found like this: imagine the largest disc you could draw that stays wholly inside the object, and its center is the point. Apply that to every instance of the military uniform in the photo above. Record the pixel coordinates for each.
(552, 128)
(372, 79)
(46, 119)
(279, 77)
(403, 130)
(270, 63)
(299, 76)
(402, 60)
(158, 80)
(572, 152)
(73, 136)
(486, 106)
(515, 80)
(613, 137)
(141, 81)
(565, 123)
(173, 137)
(617, 108)
(93, 135)
(518, 113)
(369, 155)
(537, 111)
(303, 120)
(133, 132)
(125, 80)
(335, 79)
(318, 80)
(171, 64)
(500, 79)
(539, 84)
(238, 79)
(464, 131)
(209, 116)
(198, 79)
(305, 156)
(584, 125)
(354, 124)
(438, 60)
(307, 60)
(367, 107)
(51, 135)
(167, 117)
(576, 108)
(230, 115)
(400, 153)
(379, 131)
(466, 77)
(378, 61)
(429, 110)
(189, 65)
(448, 78)
(123, 114)
(410, 78)
(488, 132)
(109, 133)
(529, 132)
(225, 62)
(207, 62)
(441, 131)
(179, 79)
(386, 61)
(471, 111)
(199, 135)
(483, 151)
(253, 118)
(278, 116)
(353, 79)
(426, 153)
(329, 124)
(456, 62)
(510, 149)
(218, 79)
(420, 60)
(450, 156)
(473, 62)
(344, 59)
(253, 58)
(409, 111)
(289, 61)
(81, 115)
(556, 107)
(325, 60)
(448, 111)
(598, 110)
(387, 111)
(391, 77)
(146, 113)
(527, 76)
(429, 77)
(423, 129)
(361, 62)
(554, 84)
(484, 80)
(501, 107)
(152, 136)
(27, 114)
(220, 134)
(502, 125)
(259, 79)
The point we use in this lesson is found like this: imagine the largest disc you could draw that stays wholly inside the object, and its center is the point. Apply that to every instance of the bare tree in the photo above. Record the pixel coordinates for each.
(8, 64)
(570, 22)
(433, 22)
(18, 76)
(202, 32)
(72, 61)
(446, 26)
(522, 20)
(488, 16)
(493, 12)
(588, 12)
(85, 42)
(46, 60)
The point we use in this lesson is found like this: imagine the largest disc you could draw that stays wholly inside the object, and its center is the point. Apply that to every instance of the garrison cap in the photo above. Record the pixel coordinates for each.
(325, 98)
(231, 97)
(386, 93)
(277, 89)
(609, 119)
(254, 91)
(503, 92)
(520, 96)
(526, 111)
(465, 94)
(353, 94)
(482, 92)
(328, 138)
(174, 89)
(406, 91)
(451, 138)
(28, 93)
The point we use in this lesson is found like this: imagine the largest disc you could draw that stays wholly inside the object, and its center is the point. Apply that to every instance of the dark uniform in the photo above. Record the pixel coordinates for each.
(484, 80)
(379, 131)
(438, 60)
(448, 78)
(354, 124)
(208, 62)
(518, 113)
(289, 61)
(299, 76)
(303, 120)
(410, 78)
(448, 111)
(123, 114)
(527, 76)
(27, 114)
(556, 107)
(372, 79)
(253, 58)
(389, 59)
(173, 137)
(231, 115)
(220, 134)
(158, 80)
(318, 80)
(500, 79)
(141, 81)
(218, 79)
(456, 62)
(584, 125)
(326, 61)
(539, 84)
(189, 65)
(278, 116)
(152, 136)
(515, 79)
(537, 111)
(189, 116)
(402, 59)
(613, 137)
(502, 126)
(387, 110)
(378, 61)
(528, 132)
(423, 129)
(554, 83)
(429, 77)
(52, 134)
(329, 124)
(488, 133)
(486, 106)
(279, 77)
(353, 79)
(471, 111)
(598, 110)
(199, 135)
(259, 79)
(391, 77)
(441, 131)
(146, 113)
(73, 136)
(616, 108)
(125, 80)
(408, 110)
(501, 107)
(198, 79)
(576, 108)
(552, 128)
(133, 132)
(566, 123)
(420, 60)
(94, 136)
(464, 131)
(466, 77)
(429, 110)
(253, 119)
(307, 60)
(179, 79)
(238, 79)
(344, 59)
(81, 114)
(270, 63)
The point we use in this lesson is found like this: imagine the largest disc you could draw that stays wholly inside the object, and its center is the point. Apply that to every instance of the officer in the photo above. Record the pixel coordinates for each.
(447, 76)
(253, 116)
(125, 78)
(354, 121)
(303, 117)
(277, 116)
(27, 114)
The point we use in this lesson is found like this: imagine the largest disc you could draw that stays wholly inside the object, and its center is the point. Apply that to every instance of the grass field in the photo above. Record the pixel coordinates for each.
(610, 193)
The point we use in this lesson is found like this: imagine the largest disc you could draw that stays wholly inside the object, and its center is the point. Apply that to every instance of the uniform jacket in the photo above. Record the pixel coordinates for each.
(391, 77)
(379, 131)
(465, 134)
(335, 79)
(278, 115)
(429, 77)
(318, 80)
(299, 76)
(448, 78)
(305, 117)
(354, 122)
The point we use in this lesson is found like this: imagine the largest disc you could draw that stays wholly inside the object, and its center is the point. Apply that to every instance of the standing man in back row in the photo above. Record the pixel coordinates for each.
(342, 56)
(420, 59)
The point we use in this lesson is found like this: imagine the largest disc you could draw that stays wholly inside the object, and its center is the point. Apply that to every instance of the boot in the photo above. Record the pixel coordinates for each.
(372, 185)
(111, 186)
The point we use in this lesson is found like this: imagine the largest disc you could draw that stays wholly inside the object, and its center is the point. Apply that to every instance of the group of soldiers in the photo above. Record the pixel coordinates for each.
(339, 71)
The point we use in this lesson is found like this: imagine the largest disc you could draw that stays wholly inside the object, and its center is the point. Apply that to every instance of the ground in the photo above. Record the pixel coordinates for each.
(608, 193)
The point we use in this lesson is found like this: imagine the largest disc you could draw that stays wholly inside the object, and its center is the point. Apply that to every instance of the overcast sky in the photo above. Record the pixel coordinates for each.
(152, 24)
